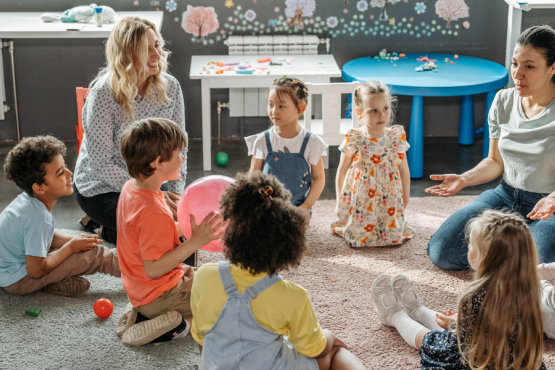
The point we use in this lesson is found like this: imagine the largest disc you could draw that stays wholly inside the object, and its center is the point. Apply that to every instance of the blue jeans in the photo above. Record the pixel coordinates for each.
(448, 248)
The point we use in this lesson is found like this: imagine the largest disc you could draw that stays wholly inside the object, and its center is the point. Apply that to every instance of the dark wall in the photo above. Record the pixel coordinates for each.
(48, 70)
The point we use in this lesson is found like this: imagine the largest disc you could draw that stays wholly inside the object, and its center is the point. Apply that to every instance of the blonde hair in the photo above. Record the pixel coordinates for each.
(372, 88)
(510, 311)
(128, 38)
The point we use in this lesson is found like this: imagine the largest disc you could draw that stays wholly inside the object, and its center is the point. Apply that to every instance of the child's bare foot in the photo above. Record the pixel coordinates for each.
(338, 231)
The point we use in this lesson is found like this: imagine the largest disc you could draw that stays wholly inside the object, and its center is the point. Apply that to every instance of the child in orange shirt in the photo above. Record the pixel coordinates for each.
(150, 253)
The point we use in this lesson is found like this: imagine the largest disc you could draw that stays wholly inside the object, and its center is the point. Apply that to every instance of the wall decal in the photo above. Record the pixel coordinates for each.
(200, 21)
(420, 8)
(362, 5)
(383, 4)
(451, 10)
(228, 3)
(332, 22)
(171, 5)
(297, 9)
(250, 15)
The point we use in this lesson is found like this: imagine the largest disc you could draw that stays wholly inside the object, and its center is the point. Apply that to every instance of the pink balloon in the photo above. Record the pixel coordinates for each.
(199, 199)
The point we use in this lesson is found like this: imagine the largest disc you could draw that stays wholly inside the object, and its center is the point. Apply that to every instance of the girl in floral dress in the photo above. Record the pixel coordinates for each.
(499, 324)
(373, 179)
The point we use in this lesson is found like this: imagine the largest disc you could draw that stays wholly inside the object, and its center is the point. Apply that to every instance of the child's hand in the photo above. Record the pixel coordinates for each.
(446, 318)
(205, 232)
(84, 243)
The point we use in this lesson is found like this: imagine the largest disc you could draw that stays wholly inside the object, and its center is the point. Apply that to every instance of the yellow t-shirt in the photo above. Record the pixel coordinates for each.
(284, 308)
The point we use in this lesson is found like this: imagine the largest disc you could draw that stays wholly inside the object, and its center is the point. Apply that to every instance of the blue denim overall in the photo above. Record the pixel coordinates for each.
(291, 169)
(238, 341)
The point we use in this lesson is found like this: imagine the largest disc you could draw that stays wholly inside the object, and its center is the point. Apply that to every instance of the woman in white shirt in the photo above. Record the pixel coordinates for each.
(522, 148)
(134, 85)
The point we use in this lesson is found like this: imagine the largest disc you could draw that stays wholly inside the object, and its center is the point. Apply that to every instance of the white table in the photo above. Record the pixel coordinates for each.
(309, 68)
(16, 25)
(515, 23)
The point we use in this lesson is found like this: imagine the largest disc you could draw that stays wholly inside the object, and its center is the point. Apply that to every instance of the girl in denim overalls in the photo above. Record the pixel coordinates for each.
(242, 308)
(287, 150)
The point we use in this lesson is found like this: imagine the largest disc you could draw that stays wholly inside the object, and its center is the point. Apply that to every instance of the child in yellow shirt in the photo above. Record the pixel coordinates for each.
(242, 308)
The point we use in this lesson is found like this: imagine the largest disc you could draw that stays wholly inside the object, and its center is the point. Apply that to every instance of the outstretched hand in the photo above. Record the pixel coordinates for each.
(446, 318)
(451, 185)
(205, 232)
(543, 209)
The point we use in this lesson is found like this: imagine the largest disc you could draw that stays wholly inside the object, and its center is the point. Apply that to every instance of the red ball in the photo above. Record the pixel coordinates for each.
(103, 308)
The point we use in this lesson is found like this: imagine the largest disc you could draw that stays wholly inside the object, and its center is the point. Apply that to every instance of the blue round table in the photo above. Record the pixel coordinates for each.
(467, 77)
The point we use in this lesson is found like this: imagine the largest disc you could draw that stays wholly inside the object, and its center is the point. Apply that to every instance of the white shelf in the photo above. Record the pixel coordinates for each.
(531, 4)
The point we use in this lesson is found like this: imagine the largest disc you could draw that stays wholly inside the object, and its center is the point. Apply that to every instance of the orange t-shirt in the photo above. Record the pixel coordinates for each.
(146, 231)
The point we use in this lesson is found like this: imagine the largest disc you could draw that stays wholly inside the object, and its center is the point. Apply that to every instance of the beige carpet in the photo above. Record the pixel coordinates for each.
(339, 278)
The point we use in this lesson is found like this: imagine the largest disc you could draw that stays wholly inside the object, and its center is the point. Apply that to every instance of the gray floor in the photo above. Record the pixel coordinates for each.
(441, 155)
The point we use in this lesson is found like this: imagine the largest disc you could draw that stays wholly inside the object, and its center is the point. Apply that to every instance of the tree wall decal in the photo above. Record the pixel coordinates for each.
(200, 21)
(451, 10)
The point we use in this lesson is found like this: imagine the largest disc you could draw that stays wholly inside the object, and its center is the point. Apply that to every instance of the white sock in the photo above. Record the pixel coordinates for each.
(406, 326)
(184, 332)
(427, 317)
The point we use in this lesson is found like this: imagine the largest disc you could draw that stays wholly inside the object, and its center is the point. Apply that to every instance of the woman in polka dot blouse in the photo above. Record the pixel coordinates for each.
(134, 85)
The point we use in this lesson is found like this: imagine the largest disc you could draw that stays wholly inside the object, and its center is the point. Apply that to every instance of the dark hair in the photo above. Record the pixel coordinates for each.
(291, 86)
(143, 141)
(266, 233)
(541, 38)
(26, 162)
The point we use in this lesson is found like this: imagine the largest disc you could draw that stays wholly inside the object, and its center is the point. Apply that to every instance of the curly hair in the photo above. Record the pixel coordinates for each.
(25, 163)
(265, 233)
(127, 38)
(291, 86)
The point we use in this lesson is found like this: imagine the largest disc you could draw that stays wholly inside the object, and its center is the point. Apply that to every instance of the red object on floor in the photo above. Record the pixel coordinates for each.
(82, 93)
(103, 308)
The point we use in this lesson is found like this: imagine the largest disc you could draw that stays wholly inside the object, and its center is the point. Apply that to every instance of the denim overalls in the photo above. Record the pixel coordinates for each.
(291, 169)
(238, 341)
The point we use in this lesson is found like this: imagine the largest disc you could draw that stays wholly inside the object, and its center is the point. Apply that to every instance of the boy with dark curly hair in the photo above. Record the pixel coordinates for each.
(33, 255)
(242, 308)
(158, 285)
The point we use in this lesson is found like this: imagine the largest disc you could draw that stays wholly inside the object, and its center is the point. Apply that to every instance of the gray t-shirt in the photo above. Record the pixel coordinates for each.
(527, 145)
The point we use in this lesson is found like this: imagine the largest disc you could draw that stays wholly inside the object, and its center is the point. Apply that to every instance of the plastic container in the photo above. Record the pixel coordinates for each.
(98, 16)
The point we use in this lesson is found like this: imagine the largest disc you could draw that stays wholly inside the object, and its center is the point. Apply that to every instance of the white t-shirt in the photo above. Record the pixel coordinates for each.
(315, 148)
(527, 145)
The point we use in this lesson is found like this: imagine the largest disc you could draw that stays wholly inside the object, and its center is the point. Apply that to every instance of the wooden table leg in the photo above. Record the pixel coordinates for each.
(466, 123)
(206, 129)
(415, 154)
(489, 100)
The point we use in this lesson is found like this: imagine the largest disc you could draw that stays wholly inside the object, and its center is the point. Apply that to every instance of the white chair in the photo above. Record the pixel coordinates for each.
(332, 128)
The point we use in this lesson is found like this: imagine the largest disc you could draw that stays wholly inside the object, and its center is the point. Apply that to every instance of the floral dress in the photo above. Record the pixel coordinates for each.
(440, 349)
(370, 209)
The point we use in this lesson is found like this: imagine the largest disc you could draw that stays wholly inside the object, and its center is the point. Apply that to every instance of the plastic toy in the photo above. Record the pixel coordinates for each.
(447, 60)
(402, 55)
(276, 64)
(426, 59)
(242, 67)
(244, 72)
(431, 66)
(199, 199)
(232, 64)
(219, 64)
(456, 57)
(264, 60)
(219, 71)
(33, 312)
(83, 13)
(222, 158)
(103, 308)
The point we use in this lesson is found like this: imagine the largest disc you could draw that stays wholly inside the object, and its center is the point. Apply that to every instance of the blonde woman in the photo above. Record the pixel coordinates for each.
(499, 320)
(134, 85)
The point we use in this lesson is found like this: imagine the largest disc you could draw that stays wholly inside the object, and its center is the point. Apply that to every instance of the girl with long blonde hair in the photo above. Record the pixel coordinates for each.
(499, 321)
(132, 86)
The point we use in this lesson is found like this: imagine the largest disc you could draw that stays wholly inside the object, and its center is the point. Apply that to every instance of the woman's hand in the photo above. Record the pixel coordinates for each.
(446, 318)
(543, 209)
(171, 200)
(451, 185)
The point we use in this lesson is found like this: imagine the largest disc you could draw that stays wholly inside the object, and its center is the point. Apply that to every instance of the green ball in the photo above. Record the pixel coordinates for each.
(222, 158)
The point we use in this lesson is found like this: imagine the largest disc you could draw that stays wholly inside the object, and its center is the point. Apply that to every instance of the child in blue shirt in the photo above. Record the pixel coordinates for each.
(33, 255)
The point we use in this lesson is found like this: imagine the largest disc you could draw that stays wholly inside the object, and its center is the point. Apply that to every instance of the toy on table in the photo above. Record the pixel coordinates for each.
(264, 60)
(245, 72)
(232, 63)
(98, 16)
(103, 308)
(276, 64)
(447, 60)
(456, 57)
(199, 199)
(426, 59)
(222, 158)
(33, 312)
(82, 13)
(402, 55)
(431, 66)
